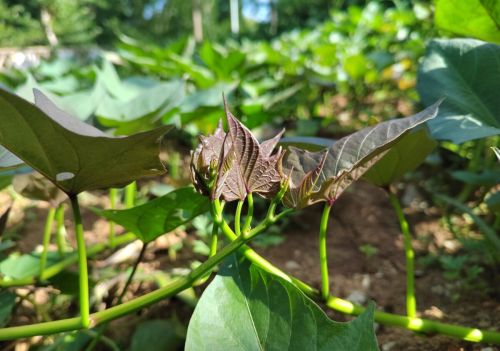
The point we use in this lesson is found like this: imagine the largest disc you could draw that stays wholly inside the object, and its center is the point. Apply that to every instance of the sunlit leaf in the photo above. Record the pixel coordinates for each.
(345, 161)
(161, 215)
(470, 18)
(246, 308)
(467, 72)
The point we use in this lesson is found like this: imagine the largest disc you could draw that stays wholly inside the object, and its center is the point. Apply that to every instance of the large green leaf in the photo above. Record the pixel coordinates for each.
(160, 215)
(467, 72)
(246, 308)
(471, 18)
(73, 155)
(404, 156)
(324, 175)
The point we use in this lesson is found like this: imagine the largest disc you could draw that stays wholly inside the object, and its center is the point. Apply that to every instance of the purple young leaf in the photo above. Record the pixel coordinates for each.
(316, 177)
(239, 163)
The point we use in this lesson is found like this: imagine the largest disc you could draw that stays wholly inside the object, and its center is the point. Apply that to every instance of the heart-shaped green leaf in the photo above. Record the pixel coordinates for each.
(73, 155)
(246, 308)
(471, 18)
(324, 175)
(160, 215)
(467, 72)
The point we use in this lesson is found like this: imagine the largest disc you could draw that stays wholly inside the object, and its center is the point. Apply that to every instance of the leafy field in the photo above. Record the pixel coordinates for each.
(379, 198)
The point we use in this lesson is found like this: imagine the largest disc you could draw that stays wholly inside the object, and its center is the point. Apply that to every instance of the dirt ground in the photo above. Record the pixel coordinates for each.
(362, 216)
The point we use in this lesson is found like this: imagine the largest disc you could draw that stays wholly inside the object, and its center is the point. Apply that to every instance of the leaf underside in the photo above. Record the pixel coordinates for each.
(324, 175)
(246, 308)
(73, 155)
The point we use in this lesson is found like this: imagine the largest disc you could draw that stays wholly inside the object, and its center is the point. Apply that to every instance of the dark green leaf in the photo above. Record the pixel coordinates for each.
(404, 156)
(7, 302)
(73, 155)
(156, 335)
(324, 175)
(246, 308)
(467, 72)
(160, 215)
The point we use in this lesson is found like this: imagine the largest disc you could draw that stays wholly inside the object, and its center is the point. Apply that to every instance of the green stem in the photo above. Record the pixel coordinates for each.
(82, 263)
(113, 194)
(46, 240)
(70, 259)
(417, 324)
(214, 239)
(60, 231)
(411, 301)
(102, 329)
(130, 191)
(237, 218)
(248, 219)
(323, 258)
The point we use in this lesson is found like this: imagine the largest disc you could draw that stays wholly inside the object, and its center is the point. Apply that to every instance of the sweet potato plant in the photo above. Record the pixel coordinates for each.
(250, 304)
